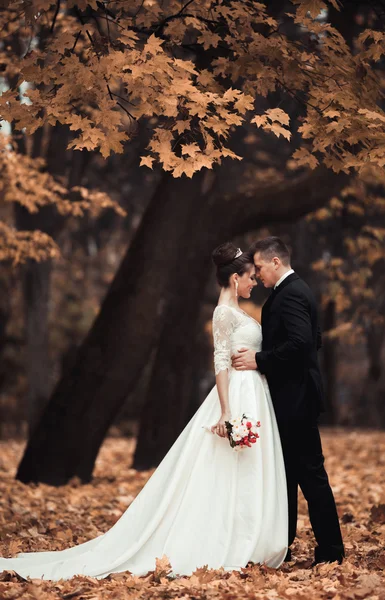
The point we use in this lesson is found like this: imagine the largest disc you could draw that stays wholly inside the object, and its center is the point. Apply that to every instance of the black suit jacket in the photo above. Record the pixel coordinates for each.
(291, 338)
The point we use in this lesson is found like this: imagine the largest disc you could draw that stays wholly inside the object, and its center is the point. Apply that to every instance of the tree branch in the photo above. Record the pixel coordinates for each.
(288, 200)
(163, 23)
(55, 15)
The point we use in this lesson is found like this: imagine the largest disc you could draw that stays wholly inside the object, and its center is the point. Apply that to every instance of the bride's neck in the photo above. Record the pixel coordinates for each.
(227, 296)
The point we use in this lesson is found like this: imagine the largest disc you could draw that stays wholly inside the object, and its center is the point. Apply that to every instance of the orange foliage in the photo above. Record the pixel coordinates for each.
(195, 70)
(25, 181)
(355, 277)
(38, 517)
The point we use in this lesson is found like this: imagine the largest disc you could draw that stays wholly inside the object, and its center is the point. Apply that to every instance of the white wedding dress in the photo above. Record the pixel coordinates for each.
(205, 504)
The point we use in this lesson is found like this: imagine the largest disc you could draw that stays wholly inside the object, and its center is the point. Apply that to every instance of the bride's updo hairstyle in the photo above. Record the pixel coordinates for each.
(227, 262)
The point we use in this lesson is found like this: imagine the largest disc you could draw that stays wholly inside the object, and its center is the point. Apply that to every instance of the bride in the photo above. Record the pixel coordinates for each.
(205, 504)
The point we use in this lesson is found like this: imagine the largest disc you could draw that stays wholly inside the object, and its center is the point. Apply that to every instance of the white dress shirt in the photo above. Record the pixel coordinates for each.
(284, 277)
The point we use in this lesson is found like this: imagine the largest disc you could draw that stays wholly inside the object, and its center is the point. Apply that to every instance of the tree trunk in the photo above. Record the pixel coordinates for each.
(166, 410)
(370, 411)
(36, 277)
(170, 393)
(5, 313)
(172, 387)
(111, 358)
(329, 353)
(36, 293)
(370, 405)
(132, 316)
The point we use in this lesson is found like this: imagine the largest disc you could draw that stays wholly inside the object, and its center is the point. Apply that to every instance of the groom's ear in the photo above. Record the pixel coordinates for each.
(277, 262)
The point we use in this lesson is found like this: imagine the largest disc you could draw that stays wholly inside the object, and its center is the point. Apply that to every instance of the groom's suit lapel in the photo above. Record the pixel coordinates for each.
(285, 282)
(267, 306)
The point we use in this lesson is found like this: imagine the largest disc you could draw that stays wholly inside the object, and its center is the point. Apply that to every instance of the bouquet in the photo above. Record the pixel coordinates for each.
(242, 432)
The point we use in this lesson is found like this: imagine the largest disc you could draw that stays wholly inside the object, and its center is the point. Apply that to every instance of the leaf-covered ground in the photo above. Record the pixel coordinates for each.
(38, 517)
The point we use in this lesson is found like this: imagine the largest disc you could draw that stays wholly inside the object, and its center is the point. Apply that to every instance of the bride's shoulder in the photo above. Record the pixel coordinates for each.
(222, 312)
(222, 307)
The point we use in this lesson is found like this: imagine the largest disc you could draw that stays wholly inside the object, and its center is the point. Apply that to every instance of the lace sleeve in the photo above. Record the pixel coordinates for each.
(223, 326)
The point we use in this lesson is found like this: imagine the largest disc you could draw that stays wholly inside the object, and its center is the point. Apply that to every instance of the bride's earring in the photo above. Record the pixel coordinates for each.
(236, 288)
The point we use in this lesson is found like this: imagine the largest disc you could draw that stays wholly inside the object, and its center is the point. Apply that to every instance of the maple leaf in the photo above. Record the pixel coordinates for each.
(190, 149)
(201, 160)
(231, 95)
(77, 122)
(302, 157)
(244, 103)
(361, 575)
(332, 113)
(153, 45)
(70, 70)
(230, 153)
(277, 114)
(209, 39)
(163, 567)
(64, 41)
(259, 120)
(179, 169)
(181, 126)
(377, 514)
(204, 574)
(186, 65)
(205, 78)
(128, 38)
(371, 114)
(146, 161)
(278, 130)
(190, 167)
(314, 7)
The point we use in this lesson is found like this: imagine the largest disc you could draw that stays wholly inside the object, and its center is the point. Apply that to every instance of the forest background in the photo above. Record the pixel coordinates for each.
(136, 135)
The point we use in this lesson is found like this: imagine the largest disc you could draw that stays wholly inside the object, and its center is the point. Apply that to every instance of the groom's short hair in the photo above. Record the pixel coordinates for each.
(271, 246)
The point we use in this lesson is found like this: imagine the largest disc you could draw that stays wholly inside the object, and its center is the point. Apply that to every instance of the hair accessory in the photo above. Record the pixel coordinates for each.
(238, 254)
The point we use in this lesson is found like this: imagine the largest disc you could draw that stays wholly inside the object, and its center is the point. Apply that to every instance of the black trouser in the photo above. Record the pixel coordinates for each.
(304, 463)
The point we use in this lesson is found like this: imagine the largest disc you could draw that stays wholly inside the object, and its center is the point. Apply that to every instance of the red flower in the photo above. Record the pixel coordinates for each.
(258, 423)
(253, 440)
(248, 425)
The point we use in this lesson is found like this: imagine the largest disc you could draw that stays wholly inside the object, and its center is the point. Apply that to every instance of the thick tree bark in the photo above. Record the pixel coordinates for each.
(5, 313)
(370, 411)
(370, 406)
(112, 356)
(36, 277)
(135, 311)
(36, 293)
(166, 410)
(170, 394)
(329, 353)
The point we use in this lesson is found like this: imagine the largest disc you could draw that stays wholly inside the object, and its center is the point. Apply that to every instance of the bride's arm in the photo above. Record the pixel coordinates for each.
(222, 381)
(223, 326)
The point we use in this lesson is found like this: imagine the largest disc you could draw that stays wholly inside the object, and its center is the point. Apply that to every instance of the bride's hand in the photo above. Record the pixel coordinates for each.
(220, 427)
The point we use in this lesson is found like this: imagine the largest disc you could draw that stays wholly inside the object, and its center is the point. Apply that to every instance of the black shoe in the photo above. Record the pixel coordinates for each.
(288, 556)
(334, 555)
(321, 562)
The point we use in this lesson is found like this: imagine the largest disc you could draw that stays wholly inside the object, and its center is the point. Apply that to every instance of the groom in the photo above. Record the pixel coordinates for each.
(291, 338)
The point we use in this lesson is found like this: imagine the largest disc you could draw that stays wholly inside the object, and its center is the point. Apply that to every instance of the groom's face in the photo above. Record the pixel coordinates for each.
(266, 271)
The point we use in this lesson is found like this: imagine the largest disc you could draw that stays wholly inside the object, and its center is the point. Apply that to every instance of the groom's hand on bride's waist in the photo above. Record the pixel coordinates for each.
(244, 360)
